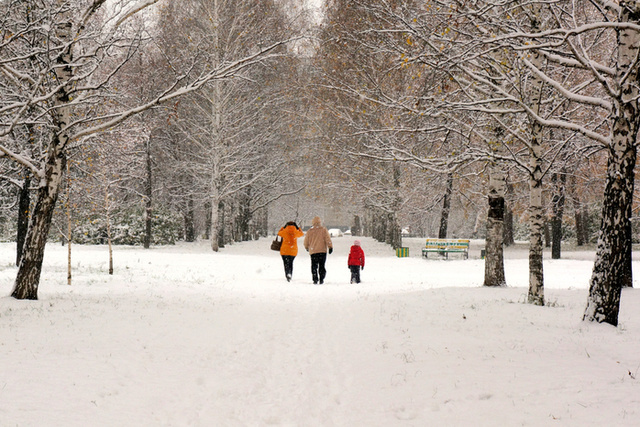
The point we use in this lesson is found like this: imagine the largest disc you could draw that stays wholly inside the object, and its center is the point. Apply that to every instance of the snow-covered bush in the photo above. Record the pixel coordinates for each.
(128, 228)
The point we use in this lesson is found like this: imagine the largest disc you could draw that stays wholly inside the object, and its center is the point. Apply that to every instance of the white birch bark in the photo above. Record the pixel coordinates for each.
(536, 213)
(494, 254)
(30, 268)
(216, 129)
(603, 304)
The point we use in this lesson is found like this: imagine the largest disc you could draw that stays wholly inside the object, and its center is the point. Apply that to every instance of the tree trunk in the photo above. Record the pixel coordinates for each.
(508, 238)
(547, 233)
(189, 228)
(494, 256)
(577, 212)
(557, 206)
(388, 229)
(605, 287)
(245, 219)
(223, 224)
(216, 133)
(579, 228)
(215, 214)
(356, 228)
(627, 277)
(394, 232)
(446, 206)
(585, 224)
(148, 191)
(536, 224)
(69, 229)
(30, 267)
(107, 206)
(265, 223)
(207, 221)
(610, 266)
(536, 214)
(23, 215)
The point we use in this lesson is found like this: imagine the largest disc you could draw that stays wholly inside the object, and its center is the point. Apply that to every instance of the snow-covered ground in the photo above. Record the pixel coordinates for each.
(180, 336)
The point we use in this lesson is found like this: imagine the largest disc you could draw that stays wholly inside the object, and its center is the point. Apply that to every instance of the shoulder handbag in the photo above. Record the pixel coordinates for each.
(277, 242)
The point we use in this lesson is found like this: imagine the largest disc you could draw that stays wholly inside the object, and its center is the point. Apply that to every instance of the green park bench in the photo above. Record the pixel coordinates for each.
(446, 246)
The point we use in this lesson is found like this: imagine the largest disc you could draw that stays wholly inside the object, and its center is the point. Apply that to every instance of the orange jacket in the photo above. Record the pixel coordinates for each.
(290, 235)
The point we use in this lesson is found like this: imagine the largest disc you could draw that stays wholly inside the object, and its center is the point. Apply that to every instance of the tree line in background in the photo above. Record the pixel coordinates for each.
(143, 122)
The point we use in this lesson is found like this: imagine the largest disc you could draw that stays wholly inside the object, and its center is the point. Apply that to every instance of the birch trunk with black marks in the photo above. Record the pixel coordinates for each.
(536, 214)
(536, 221)
(30, 267)
(603, 304)
(494, 254)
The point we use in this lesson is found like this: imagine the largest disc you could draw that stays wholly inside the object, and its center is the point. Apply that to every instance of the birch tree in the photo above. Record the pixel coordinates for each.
(603, 304)
(536, 219)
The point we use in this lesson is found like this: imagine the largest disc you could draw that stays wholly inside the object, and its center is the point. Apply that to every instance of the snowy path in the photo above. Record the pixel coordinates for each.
(182, 337)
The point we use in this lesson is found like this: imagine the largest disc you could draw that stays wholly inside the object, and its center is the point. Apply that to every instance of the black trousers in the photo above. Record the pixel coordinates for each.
(355, 273)
(287, 260)
(317, 267)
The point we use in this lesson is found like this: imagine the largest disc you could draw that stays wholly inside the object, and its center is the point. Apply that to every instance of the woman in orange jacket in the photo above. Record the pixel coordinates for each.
(290, 234)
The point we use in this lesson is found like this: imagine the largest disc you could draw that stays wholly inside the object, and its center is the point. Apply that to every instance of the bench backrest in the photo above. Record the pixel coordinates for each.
(448, 243)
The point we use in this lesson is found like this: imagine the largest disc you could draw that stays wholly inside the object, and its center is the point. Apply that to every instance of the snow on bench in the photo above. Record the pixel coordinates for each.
(446, 246)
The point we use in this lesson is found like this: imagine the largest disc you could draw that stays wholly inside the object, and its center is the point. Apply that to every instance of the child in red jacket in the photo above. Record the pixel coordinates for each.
(356, 261)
